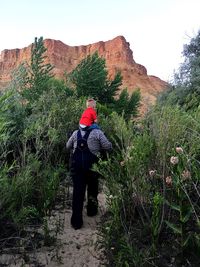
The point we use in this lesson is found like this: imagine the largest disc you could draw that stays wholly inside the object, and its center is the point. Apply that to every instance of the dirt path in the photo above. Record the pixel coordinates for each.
(72, 248)
(77, 247)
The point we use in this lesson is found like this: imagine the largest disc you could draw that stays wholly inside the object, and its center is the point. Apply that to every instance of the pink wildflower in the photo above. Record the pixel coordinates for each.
(186, 175)
(174, 160)
(179, 149)
(152, 173)
(168, 180)
(122, 163)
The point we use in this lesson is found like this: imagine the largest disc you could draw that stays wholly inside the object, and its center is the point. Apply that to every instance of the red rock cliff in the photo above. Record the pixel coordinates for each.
(65, 58)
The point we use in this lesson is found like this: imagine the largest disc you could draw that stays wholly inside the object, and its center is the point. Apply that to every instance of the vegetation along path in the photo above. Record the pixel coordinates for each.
(57, 243)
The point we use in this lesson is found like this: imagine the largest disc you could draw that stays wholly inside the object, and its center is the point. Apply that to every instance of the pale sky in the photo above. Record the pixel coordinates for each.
(155, 29)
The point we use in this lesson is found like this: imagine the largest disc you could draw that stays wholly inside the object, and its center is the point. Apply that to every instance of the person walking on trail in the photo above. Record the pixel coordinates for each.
(86, 149)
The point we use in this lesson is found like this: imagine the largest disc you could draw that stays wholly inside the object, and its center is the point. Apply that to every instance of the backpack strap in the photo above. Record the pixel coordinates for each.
(85, 137)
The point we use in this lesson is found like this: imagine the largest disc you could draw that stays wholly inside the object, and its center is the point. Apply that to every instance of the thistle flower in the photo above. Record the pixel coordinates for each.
(186, 175)
(152, 173)
(168, 180)
(122, 163)
(174, 160)
(179, 150)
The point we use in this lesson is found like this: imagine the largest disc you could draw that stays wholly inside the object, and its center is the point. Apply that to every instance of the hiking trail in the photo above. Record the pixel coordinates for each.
(72, 248)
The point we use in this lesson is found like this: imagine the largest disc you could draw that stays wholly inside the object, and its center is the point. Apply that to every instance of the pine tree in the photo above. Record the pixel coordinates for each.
(90, 79)
(38, 73)
(128, 104)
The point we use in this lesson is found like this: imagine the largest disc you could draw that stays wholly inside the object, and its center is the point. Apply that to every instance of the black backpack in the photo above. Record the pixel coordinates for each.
(82, 158)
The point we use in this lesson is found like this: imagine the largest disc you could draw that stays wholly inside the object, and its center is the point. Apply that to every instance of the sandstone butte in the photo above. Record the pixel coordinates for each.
(64, 58)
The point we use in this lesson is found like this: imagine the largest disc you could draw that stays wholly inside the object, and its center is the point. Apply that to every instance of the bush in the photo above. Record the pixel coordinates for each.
(152, 182)
(31, 139)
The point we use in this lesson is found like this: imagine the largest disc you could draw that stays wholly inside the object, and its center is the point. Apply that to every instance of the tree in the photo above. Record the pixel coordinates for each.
(191, 72)
(110, 90)
(58, 86)
(90, 79)
(38, 73)
(133, 104)
(128, 104)
(186, 89)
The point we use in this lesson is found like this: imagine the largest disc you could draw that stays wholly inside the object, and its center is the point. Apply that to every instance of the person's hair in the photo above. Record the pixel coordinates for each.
(91, 103)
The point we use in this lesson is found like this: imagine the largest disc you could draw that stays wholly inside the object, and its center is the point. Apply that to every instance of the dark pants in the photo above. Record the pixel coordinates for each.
(81, 181)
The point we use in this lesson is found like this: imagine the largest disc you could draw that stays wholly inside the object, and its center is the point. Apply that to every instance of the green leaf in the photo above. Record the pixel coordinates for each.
(186, 217)
(173, 206)
(198, 223)
(174, 228)
(186, 241)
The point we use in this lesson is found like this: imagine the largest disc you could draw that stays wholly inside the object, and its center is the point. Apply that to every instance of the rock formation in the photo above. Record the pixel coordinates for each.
(65, 58)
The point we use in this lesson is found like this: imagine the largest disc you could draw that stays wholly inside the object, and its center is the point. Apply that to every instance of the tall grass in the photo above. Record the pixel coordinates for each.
(152, 181)
(33, 154)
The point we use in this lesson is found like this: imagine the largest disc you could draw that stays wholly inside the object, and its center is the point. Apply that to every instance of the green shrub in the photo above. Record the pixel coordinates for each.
(151, 201)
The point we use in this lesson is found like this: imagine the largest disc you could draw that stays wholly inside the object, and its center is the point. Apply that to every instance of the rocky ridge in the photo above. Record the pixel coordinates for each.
(64, 58)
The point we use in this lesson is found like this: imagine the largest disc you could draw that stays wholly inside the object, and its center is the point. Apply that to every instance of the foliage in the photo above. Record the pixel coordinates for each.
(152, 181)
(186, 87)
(12, 115)
(90, 79)
(38, 73)
(128, 104)
(59, 86)
(177, 142)
(30, 141)
(125, 179)
(156, 219)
